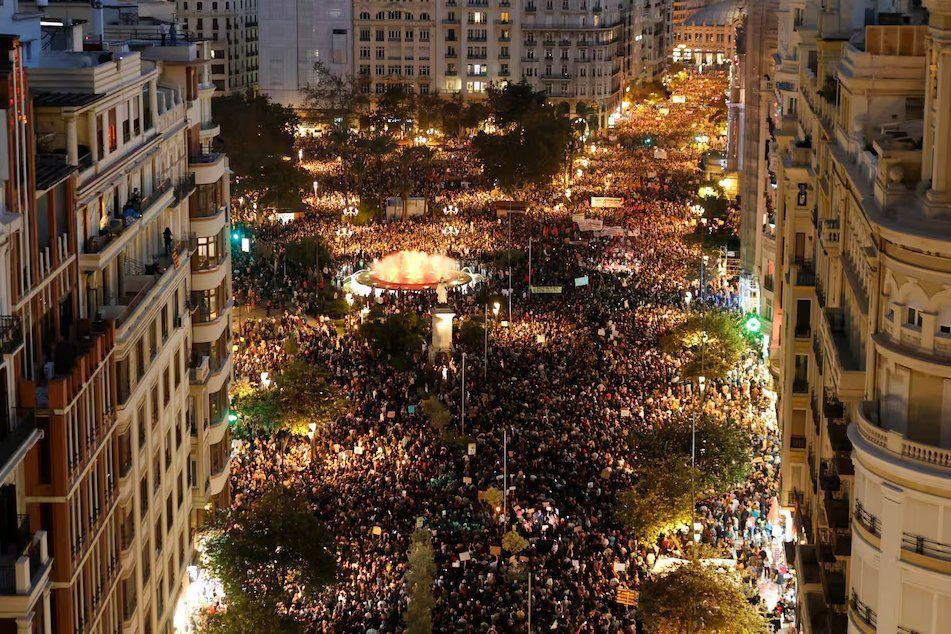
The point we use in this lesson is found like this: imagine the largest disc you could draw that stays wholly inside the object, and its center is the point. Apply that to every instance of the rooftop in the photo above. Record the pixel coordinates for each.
(717, 14)
(64, 99)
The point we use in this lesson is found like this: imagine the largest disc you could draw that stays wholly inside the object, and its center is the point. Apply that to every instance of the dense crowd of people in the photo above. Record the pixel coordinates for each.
(568, 380)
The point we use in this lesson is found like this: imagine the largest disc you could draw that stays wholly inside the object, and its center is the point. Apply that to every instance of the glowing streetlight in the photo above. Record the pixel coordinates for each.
(450, 210)
(350, 211)
(495, 308)
(315, 189)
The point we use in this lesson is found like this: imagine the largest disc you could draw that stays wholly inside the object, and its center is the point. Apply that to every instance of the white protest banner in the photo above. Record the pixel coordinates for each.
(609, 202)
(581, 281)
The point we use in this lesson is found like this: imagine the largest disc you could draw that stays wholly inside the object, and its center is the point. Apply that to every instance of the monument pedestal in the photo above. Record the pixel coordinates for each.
(442, 331)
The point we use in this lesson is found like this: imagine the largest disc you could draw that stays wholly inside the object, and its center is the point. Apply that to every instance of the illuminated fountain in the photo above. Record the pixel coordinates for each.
(411, 271)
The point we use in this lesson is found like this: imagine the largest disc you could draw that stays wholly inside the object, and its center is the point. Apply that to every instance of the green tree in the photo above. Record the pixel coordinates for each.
(308, 252)
(415, 167)
(660, 501)
(437, 413)
(258, 136)
(472, 334)
(337, 95)
(513, 542)
(722, 456)
(261, 548)
(300, 395)
(420, 572)
(513, 104)
(243, 616)
(493, 497)
(709, 344)
(531, 145)
(392, 110)
(397, 337)
(697, 598)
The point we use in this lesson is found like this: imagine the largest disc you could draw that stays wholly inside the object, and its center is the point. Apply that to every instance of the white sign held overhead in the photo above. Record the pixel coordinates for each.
(610, 202)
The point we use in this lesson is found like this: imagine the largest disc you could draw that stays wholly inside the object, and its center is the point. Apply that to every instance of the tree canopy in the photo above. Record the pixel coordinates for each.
(300, 395)
(398, 336)
(264, 547)
(710, 344)
(531, 142)
(696, 598)
(419, 583)
(723, 449)
(659, 502)
(258, 136)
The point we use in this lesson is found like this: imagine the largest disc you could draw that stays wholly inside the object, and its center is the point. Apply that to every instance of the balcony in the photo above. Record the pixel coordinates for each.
(845, 362)
(805, 273)
(920, 545)
(185, 186)
(99, 250)
(208, 167)
(868, 429)
(139, 280)
(11, 334)
(867, 521)
(82, 357)
(220, 466)
(24, 568)
(208, 130)
(18, 433)
(199, 370)
(864, 617)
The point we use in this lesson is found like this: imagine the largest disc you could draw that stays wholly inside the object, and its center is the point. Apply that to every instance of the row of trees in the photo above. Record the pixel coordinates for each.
(693, 597)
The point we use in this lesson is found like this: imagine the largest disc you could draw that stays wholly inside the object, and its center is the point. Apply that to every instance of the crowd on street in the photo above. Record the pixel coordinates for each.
(568, 378)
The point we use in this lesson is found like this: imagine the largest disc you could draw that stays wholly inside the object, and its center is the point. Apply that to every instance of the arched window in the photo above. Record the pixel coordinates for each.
(381, 15)
(365, 15)
(423, 16)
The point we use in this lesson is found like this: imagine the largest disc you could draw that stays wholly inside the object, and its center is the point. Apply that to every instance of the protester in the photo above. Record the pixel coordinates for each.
(569, 379)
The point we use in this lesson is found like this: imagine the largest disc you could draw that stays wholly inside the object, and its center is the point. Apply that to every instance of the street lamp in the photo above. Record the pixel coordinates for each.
(315, 189)
(450, 210)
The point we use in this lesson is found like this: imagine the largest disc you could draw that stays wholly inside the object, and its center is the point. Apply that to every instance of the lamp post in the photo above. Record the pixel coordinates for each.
(505, 474)
(462, 401)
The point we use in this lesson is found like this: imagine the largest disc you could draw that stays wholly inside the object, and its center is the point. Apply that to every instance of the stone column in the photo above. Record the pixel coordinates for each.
(889, 574)
(936, 159)
(91, 128)
(153, 100)
(72, 141)
(25, 624)
(442, 331)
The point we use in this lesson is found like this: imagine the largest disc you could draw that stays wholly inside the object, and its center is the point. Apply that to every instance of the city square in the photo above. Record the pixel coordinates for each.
(413, 316)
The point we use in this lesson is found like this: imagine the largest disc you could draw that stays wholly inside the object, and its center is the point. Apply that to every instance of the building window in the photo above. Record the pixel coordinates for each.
(913, 317)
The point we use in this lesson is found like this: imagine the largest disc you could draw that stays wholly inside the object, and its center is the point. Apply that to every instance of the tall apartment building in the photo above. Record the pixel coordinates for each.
(708, 35)
(578, 51)
(297, 34)
(28, 285)
(854, 264)
(116, 338)
(574, 50)
(395, 44)
(232, 28)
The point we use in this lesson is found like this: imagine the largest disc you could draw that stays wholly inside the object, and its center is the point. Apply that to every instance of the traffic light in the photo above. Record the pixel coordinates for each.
(752, 324)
